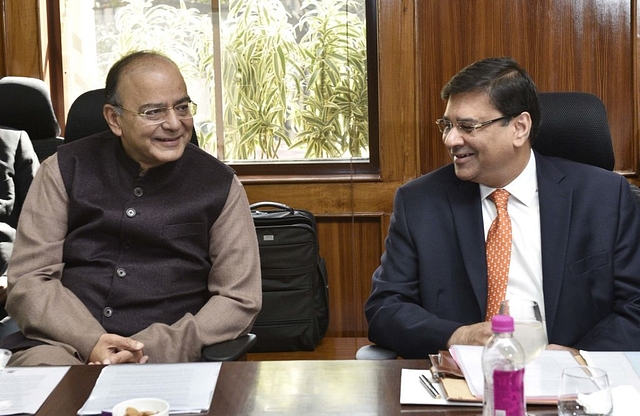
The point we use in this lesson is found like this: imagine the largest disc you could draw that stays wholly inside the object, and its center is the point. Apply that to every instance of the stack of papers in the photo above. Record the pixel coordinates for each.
(187, 387)
(541, 377)
(24, 389)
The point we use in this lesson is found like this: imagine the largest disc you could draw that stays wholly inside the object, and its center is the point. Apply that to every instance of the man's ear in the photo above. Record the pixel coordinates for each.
(113, 120)
(522, 125)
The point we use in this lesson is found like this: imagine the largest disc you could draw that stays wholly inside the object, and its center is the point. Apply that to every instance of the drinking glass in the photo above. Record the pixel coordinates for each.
(529, 327)
(584, 391)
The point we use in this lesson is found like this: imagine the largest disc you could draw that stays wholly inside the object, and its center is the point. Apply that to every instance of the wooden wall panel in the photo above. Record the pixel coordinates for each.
(351, 248)
(565, 45)
(21, 38)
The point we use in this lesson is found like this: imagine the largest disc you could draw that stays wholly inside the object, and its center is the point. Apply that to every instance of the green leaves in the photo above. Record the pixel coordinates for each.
(300, 85)
(291, 85)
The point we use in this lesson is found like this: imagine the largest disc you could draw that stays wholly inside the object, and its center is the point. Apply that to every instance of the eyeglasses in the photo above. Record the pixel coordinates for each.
(445, 125)
(159, 115)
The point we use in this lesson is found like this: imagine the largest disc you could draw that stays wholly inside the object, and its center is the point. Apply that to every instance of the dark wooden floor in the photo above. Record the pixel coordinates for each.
(327, 349)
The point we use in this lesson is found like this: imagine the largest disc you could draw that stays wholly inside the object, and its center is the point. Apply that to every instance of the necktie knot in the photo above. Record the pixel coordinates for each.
(500, 197)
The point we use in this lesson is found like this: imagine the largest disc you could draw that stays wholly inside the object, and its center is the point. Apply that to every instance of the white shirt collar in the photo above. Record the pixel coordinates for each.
(523, 187)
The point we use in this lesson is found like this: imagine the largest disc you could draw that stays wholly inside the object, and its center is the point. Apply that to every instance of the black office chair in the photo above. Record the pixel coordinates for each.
(85, 117)
(26, 105)
(574, 126)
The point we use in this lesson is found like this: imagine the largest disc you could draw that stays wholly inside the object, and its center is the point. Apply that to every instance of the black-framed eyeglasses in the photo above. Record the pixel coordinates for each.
(445, 125)
(158, 115)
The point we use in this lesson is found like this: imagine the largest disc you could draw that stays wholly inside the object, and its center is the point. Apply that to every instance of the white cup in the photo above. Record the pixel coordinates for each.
(159, 406)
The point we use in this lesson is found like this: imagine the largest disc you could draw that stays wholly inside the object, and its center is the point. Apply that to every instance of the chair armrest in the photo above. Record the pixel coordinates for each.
(230, 350)
(7, 327)
(374, 352)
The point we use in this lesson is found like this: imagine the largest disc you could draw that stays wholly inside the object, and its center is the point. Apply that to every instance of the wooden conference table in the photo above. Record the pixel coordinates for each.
(339, 387)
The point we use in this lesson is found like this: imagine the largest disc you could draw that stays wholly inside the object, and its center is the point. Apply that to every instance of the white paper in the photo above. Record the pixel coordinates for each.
(541, 376)
(412, 392)
(188, 387)
(622, 367)
(24, 389)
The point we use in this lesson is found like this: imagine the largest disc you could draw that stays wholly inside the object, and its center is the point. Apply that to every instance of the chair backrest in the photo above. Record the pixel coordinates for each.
(26, 105)
(85, 117)
(574, 126)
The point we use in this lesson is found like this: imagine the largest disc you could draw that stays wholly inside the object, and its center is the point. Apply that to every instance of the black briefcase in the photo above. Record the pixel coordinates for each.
(295, 292)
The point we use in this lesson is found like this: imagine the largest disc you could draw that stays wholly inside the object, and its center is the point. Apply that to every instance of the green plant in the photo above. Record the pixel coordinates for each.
(258, 47)
(333, 116)
(285, 87)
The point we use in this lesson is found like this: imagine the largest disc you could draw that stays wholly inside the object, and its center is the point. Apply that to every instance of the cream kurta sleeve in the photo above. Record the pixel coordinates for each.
(43, 308)
(235, 285)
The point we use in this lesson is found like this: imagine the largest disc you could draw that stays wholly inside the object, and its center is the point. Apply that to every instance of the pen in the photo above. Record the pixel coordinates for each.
(430, 387)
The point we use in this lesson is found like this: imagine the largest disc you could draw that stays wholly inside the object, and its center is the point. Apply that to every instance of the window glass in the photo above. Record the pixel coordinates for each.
(282, 81)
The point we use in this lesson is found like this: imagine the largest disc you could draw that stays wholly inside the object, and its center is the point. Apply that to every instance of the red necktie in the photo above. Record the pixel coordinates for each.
(498, 253)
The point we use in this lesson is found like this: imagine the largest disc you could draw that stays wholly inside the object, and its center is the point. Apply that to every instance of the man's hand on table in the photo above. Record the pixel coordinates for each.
(476, 334)
(115, 349)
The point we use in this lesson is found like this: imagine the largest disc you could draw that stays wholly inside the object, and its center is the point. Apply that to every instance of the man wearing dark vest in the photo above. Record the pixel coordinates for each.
(147, 251)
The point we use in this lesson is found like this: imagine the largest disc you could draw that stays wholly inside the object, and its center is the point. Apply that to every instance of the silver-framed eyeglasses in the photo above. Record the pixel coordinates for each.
(445, 125)
(157, 115)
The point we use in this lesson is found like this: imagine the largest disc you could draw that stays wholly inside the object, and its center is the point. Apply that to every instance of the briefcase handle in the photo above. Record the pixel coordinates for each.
(278, 205)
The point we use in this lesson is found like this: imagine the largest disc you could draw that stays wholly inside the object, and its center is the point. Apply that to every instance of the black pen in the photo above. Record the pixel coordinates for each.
(426, 383)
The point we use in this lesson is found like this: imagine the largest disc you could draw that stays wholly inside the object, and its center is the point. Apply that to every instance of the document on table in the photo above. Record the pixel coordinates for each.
(188, 387)
(623, 368)
(24, 389)
(541, 377)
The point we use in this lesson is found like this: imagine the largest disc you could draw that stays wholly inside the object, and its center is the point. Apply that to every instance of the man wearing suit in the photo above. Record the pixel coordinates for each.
(575, 232)
(18, 166)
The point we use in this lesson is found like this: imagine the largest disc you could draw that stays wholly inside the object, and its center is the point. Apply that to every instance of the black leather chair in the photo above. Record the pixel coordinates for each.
(85, 117)
(574, 126)
(26, 105)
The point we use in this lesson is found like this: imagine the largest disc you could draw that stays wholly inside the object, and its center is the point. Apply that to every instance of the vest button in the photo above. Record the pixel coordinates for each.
(130, 212)
(126, 244)
(121, 272)
(107, 312)
(137, 191)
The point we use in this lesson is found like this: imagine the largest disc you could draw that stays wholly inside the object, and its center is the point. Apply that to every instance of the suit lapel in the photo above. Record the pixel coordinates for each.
(464, 201)
(555, 216)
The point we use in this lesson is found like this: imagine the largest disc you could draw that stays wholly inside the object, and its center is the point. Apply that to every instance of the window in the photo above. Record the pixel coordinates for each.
(282, 86)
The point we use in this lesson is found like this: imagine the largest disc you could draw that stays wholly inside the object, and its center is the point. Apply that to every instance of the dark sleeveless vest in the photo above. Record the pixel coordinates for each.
(137, 248)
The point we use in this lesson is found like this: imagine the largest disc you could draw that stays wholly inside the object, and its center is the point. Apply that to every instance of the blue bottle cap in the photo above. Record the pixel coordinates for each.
(502, 323)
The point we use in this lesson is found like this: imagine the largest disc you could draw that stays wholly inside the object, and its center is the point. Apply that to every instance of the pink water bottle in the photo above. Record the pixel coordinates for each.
(503, 367)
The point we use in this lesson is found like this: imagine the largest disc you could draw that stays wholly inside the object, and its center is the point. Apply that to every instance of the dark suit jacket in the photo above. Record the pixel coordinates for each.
(433, 277)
